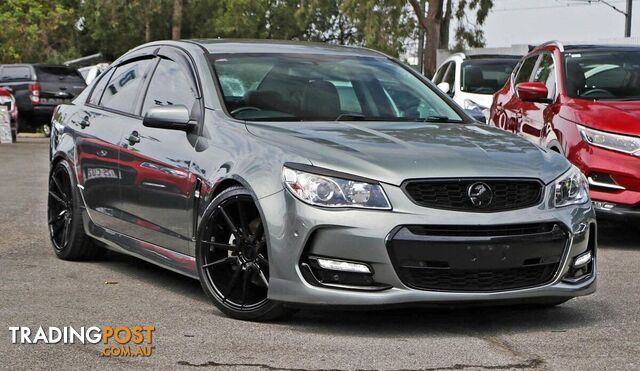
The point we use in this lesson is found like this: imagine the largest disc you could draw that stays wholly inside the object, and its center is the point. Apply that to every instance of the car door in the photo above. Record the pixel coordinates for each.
(160, 197)
(107, 114)
(514, 107)
(537, 115)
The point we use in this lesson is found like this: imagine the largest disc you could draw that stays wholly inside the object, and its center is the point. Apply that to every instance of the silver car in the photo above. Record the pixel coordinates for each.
(285, 174)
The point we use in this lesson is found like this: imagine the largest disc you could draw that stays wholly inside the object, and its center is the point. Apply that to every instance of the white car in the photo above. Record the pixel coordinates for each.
(91, 72)
(471, 80)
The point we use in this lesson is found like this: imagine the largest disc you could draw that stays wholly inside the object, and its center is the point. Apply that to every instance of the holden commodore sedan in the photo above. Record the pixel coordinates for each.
(286, 174)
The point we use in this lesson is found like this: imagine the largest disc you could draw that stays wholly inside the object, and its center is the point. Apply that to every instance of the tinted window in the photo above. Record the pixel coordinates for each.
(612, 75)
(96, 94)
(485, 76)
(438, 76)
(124, 86)
(58, 73)
(10, 73)
(169, 85)
(312, 87)
(450, 76)
(525, 70)
(546, 74)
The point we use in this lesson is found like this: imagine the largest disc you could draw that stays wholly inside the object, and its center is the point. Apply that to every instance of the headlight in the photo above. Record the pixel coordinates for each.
(571, 188)
(327, 191)
(473, 106)
(615, 142)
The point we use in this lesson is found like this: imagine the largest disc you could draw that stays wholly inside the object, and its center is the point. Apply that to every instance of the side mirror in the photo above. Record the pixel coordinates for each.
(444, 86)
(9, 89)
(533, 92)
(173, 117)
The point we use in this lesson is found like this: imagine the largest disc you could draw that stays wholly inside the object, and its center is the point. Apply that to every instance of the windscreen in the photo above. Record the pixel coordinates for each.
(485, 76)
(58, 73)
(607, 75)
(318, 87)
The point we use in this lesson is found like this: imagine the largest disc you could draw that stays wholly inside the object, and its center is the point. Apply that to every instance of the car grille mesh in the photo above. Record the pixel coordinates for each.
(453, 194)
(473, 280)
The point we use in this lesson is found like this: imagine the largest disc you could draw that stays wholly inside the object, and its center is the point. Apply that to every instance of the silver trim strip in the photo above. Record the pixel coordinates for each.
(605, 185)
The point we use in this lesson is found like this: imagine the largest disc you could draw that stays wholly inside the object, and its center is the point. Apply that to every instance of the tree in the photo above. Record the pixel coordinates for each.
(37, 30)
(436, 20)
(176, 24)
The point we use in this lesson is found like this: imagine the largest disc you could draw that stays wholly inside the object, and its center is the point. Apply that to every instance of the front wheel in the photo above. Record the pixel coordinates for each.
(232, 258)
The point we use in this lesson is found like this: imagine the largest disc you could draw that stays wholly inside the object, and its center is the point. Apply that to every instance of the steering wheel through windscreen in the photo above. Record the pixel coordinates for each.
(597, 93)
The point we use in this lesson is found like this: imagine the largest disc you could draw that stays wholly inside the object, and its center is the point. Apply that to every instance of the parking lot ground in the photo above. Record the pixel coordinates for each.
(601, 331)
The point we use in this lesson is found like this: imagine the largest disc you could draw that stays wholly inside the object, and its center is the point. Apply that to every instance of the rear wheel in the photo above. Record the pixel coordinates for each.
(65, 218)
(14, 136)
(232, 258)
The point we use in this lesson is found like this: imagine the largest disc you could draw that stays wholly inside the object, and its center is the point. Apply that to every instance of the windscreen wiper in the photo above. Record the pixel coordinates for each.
(351, 117)
(438, 119)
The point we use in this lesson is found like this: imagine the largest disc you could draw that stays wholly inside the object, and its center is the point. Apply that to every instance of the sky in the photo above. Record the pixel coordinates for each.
(536, 21)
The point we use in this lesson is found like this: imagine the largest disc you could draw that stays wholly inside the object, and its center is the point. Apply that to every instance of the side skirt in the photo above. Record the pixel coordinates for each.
(154, 254)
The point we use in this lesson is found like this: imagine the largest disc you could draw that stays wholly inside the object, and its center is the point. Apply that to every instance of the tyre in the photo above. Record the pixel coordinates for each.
(64, 213)
(232, 258)
(14, 136)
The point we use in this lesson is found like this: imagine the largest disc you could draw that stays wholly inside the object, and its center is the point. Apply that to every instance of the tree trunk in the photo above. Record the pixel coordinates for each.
(433, 20)
(446, 25)
(176, 24)
(431, 24)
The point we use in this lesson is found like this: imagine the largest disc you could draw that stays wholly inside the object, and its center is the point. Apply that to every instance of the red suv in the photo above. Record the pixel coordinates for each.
(582, 101)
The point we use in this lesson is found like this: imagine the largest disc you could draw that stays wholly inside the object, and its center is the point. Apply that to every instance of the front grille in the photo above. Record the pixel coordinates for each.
(453, 194)
(477, 258)
(477, 280)
(478, 231)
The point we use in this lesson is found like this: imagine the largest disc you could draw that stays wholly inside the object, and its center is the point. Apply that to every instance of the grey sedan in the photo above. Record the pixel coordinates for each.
(286, 174)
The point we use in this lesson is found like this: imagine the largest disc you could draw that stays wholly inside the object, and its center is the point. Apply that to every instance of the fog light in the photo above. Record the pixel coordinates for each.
(582, 259)
(337, 265)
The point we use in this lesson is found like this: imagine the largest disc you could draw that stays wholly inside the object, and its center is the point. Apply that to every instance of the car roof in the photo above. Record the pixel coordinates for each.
(595, 47)
(223, 46)
(493, 56)
(585, 47)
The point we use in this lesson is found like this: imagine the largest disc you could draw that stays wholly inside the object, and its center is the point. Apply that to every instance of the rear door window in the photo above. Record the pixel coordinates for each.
(16, 73)
(97, 92)
(124, 86)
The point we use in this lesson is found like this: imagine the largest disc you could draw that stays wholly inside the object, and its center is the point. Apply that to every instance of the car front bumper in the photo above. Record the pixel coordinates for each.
(298, 230)
(618, 193)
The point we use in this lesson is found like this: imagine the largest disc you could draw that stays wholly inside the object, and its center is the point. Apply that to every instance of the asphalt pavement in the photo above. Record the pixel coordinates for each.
(601, 331)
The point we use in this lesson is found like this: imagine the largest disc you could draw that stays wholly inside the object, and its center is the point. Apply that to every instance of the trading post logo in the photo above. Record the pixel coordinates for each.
(117, 341)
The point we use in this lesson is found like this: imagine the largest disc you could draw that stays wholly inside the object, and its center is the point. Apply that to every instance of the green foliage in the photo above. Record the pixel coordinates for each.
(37, 30)
(45, 30)
(469, 34)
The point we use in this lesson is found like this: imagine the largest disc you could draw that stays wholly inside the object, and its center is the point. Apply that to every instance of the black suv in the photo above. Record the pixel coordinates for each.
(39, 88)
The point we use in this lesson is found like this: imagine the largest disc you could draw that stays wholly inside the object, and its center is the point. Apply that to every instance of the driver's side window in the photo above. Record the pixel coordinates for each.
(170, 85)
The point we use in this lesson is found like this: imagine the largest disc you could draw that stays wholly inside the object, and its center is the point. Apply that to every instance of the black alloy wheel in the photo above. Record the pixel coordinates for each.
(65, 218)
(60, 208)
(233, 260)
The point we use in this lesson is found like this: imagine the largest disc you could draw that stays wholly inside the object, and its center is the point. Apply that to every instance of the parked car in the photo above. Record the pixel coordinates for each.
(471, 80)
(90, 73)
(283, 174)
(39, 88)
(7, 100)
(582, 101)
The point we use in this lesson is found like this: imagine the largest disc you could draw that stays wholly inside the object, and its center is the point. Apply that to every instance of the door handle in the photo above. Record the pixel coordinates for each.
(133, 138)
(85, 122)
